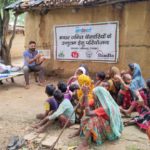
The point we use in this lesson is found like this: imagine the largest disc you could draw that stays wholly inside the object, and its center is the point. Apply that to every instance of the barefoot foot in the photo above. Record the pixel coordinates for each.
(36, 126)
(40, 130)
(27, 86)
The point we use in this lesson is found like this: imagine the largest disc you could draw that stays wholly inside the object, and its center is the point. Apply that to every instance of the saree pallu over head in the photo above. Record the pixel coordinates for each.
(111, 108)
(114, 70)
(137, 81)
(85, 80)
(82, 69)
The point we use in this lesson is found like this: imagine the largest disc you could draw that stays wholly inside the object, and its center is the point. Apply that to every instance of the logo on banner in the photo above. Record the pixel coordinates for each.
(61, 54)
(83, 30)
(75, 54)
(89, 54)
(100, 54)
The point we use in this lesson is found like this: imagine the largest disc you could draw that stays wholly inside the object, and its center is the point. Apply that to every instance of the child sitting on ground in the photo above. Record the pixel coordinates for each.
(51, 104)
(73, 89)
(62, 86)
(100, 76)
(64, 112)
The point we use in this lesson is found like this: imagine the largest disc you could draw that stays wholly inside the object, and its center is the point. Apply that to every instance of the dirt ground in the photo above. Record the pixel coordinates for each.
(19, 106)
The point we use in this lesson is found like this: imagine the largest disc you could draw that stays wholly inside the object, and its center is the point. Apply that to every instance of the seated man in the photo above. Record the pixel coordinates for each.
(31, 57)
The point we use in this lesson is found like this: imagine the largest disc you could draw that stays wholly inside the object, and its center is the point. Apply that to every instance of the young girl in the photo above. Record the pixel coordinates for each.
(62, 86)
(100, 76)
(73, 89)
(51, 104)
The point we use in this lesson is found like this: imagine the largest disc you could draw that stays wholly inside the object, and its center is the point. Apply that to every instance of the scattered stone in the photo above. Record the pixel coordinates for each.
(76, 126)
(39, 138)
(30, 136)
(72, 148)
(49, 141)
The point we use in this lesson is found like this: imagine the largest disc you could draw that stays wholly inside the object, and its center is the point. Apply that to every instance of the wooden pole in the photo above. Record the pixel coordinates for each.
(54, 144)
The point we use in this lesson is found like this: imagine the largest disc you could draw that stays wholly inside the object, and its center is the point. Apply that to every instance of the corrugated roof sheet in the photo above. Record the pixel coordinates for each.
(26, 5)
(13, 5)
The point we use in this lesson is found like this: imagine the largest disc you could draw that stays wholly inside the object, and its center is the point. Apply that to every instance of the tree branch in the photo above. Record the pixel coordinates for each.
(1, 32)
(4, 24)
(14, 31)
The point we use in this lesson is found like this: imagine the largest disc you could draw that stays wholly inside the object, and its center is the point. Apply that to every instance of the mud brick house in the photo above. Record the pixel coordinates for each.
(119, 27)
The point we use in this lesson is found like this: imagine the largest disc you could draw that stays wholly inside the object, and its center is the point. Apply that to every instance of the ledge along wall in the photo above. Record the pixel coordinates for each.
(134, 34)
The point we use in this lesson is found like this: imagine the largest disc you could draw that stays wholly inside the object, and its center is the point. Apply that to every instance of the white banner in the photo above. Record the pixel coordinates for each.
(95, 42)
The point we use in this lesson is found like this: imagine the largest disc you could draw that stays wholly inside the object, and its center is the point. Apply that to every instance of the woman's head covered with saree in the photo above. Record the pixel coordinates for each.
(112, 72)
(80, 70)
(137, 79)
(85, 80)
(73, 80)
(105, 100)
(86, 69)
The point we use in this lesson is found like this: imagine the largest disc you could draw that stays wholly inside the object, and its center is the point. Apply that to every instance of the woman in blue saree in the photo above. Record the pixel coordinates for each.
(137, 79)
(136, 86)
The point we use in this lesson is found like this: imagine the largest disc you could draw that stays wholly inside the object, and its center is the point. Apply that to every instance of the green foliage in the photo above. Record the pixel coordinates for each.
(5, 16)
(20, 20)
(4, 3)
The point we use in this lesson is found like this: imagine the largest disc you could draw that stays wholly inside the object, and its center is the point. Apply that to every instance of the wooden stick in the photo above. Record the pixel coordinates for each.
(54, 144)
(40, 144)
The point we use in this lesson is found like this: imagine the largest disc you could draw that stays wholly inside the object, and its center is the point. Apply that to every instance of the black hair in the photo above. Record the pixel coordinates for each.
(32, 42)
(49, 90)
(105, 83)
(73, 87)
(58, 95)
(101, 75)
(148, 83)
(131, 66)
(62, 86)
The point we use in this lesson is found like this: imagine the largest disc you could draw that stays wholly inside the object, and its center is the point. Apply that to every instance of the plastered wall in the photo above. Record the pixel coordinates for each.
(134, 34)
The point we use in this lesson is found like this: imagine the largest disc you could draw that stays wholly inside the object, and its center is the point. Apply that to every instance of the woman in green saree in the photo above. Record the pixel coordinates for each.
(102, 123)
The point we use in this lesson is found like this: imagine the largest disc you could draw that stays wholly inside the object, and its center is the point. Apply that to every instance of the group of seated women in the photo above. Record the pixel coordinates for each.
(97, 105)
